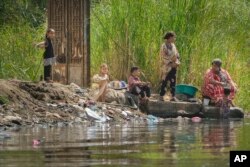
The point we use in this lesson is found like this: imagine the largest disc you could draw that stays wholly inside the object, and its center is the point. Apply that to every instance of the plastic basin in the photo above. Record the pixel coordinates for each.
(185, 89)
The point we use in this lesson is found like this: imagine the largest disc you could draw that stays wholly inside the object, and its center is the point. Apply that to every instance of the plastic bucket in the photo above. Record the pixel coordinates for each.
(206, 101)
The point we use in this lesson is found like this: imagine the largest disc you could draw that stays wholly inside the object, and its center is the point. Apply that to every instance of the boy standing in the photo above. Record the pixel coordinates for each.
(170, 61)
(136, 86)
(49, 57)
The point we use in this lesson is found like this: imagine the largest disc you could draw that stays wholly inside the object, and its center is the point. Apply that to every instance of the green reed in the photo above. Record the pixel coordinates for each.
(18, 56)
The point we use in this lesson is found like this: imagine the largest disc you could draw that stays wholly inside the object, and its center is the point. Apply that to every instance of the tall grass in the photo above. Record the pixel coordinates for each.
(18, 57)
(21, 25)
(127, 32)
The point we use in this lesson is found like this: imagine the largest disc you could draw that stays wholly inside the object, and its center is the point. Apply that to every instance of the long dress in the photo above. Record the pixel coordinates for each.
(215, 91)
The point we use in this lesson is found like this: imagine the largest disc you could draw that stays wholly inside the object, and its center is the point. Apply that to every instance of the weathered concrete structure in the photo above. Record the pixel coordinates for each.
(169, 109)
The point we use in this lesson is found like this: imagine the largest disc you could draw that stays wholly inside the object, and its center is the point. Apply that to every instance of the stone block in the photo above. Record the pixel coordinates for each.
(211, 112)
(236, 112)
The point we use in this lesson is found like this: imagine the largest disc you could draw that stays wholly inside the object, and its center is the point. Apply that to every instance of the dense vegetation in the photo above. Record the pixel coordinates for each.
(127, 32)
(21, 25)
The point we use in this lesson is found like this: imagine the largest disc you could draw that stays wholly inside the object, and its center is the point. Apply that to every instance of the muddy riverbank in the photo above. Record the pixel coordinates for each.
(27, 103)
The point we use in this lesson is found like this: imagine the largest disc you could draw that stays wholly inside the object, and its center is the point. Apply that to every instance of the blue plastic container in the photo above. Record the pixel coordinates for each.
(185, 89)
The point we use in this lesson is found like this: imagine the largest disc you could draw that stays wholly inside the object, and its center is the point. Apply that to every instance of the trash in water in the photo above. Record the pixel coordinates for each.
(51, 105)
(93, 107)
(124, 113)
(78, 119)
(36, 142)
(77, 107)
(196, 119)
(105, 117)
(82, 115)
(92, 114)
(152, 119)
(128, 112)
(4, 136)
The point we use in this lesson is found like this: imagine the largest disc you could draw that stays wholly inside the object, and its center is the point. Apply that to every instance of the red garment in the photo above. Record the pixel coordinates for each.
(215, 91)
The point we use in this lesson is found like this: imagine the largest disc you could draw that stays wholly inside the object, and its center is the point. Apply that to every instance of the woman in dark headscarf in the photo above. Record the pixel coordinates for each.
(215, 81)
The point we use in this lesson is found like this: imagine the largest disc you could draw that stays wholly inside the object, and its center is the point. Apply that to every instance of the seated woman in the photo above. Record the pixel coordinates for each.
(105, 91)
(102, 80)
(136, 86)
(215, 81)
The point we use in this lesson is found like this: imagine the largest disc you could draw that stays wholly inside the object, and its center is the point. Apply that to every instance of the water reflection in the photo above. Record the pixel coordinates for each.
(171, 143)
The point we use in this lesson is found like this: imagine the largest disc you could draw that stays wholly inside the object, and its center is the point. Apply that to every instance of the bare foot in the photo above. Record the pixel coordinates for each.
(174, 99)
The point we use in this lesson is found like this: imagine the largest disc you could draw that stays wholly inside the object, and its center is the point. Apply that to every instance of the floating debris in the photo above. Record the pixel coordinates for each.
(152, 119)
(92, 114)
(4, 136)
(196, 119)
(35, 142)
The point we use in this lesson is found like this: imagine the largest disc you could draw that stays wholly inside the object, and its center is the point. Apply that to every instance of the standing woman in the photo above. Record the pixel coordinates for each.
(49, 58)
(170, 61)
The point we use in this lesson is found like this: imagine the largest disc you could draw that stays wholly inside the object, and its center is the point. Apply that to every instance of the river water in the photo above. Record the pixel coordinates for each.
(170, 143)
